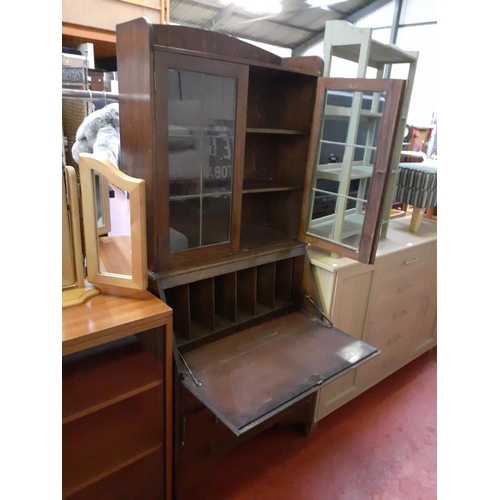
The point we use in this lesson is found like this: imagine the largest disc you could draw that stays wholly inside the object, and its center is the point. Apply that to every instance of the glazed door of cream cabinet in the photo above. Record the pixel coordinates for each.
(350, 155)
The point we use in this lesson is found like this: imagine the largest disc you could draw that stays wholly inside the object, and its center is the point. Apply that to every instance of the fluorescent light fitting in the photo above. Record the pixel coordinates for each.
(323, 3)
(261, 6)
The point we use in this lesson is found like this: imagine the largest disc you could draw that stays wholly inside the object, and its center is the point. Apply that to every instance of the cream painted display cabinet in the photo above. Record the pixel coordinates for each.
(391, 305)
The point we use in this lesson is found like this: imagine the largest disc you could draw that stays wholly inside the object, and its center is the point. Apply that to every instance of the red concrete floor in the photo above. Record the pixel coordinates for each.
(380, 446)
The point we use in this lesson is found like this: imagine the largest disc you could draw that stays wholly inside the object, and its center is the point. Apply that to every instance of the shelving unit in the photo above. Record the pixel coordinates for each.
(116, 374)
(116, 399)
(346, 41)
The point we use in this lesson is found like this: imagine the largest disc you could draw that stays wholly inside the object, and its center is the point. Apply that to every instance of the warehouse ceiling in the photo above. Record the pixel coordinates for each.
(297, 24)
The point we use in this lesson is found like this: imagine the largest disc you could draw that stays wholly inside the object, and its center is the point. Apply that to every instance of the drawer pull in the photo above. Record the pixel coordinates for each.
(403, 311)
(407, 262)
(397, 337)
(404, 288)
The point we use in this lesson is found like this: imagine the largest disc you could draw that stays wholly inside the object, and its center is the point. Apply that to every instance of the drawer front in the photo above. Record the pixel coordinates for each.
(404, 286)
(389, 330)
(403, 266)
(207, 439)
(389, 308)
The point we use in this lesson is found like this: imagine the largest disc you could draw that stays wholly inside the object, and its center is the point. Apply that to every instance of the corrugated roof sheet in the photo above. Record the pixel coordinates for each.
(297, 23)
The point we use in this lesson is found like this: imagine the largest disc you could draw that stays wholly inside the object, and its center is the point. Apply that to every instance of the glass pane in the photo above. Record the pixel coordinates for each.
(185, 224)
(418, 11)
(216, 223)
(184, 160)
(218, 157)
(345, 161)
(201, 114)
(326, 226)
(219, 103)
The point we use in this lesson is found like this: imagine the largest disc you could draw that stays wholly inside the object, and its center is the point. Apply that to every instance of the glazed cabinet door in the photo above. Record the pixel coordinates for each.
(200, 110)
(352, 145)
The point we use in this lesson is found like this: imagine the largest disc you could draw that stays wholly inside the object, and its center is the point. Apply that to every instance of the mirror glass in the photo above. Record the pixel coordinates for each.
(68, 258)
(345, 161)
(114, 242)
(201, 125)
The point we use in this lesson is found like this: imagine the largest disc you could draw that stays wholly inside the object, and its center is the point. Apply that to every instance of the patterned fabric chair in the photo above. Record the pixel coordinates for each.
(416, 185)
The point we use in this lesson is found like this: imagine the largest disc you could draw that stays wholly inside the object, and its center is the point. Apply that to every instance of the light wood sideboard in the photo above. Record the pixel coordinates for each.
(391, 305)
(117, 398)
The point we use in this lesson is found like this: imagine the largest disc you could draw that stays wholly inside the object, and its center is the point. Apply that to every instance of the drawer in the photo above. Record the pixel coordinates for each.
(391, 310)
(407, 264)
(389, 331)
(405, 285)
(207, 439)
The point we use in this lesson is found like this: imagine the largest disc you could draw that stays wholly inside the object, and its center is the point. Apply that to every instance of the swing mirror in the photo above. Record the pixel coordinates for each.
(114, 224)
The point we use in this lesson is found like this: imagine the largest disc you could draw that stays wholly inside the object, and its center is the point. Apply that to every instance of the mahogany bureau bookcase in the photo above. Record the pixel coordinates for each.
(232, 142)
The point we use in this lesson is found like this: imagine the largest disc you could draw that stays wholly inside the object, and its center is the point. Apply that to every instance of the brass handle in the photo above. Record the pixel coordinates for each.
(407, 262)
(403, 311)
(397, 337)
(402, 289)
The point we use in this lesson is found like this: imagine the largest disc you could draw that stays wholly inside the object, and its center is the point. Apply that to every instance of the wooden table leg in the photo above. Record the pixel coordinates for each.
(416, 219)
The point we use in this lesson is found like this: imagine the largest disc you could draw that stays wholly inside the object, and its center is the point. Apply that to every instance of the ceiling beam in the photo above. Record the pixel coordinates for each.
(352, 18)
(367, 9)
(218, 18)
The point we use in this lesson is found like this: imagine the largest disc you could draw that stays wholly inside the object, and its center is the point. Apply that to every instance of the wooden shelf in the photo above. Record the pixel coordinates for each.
(114, 375)
(353, 224)
(380, 53)
(107, 473)
(276, 131)
(256, 237)
(142, 477)
(333, 171)
(256, 186)
(104, 41)
(105, 441)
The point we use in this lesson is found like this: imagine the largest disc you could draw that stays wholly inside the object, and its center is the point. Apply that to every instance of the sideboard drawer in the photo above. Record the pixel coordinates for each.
(402, 265)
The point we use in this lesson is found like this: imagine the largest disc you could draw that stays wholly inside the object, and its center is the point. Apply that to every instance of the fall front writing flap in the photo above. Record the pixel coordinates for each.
(250, 376)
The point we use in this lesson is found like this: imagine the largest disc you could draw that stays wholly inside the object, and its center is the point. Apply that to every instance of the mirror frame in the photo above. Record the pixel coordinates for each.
(88, 164)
